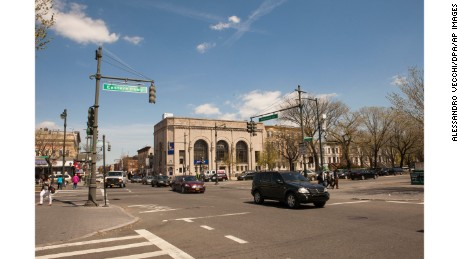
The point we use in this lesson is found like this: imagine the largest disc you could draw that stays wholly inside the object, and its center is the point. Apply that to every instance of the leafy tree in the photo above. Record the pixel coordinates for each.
(269, 156)
(44, 19)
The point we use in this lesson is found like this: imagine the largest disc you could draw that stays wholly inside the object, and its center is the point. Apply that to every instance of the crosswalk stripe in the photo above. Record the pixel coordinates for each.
(86, 242)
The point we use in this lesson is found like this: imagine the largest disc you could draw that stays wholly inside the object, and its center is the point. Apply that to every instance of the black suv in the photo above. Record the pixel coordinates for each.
(289, 187)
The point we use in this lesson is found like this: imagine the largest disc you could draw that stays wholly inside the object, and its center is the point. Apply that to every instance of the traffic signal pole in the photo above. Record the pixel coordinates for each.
(92, 180)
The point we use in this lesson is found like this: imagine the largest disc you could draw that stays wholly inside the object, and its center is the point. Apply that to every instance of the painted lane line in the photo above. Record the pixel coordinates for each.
(212, 216)
(351, 202)
(405, 202)
(241, 241)
(207, 227)
(172, 251)
(86, 242)
(96, 250)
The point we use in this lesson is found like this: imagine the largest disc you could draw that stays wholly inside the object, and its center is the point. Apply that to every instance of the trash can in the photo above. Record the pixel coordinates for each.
(416, 177)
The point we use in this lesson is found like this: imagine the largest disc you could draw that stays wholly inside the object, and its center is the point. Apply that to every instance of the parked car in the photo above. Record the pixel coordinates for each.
(206, 176)
(396, 170)
(136, 179)
(246, 175)
(147, 179)
(188, 183)
(221, 176)
(383, 171)
(362, 174)
(289, 187)
(343, 173)
(160, 180)
(116, 178)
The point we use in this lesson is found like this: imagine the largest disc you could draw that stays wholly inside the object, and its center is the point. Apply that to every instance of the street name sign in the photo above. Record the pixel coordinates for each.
(125, 88)
(307, 139)
(269, 117)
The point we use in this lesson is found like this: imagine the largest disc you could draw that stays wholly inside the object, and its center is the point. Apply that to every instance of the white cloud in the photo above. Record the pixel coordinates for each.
(134, 40)
(49, 125)
(204, 47)
(233, 20)
(257, 101)
(77, 26)
(206, 109)
(398, 80)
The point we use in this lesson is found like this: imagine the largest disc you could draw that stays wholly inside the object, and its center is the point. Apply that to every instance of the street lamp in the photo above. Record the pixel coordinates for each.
(64, 117)
(215, 139)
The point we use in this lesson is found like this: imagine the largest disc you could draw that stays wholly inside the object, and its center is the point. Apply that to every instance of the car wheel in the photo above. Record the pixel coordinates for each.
(292, 201)
(258, 198)
(320, 204)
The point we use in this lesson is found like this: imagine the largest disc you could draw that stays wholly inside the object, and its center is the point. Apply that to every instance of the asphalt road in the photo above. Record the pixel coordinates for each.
(381, 218)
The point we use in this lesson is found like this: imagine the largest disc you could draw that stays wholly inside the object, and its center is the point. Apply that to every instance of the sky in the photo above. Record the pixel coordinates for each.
(219, 59)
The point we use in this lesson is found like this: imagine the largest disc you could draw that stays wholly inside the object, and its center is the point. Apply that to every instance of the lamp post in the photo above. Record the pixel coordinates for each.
(64, 117)
(215, 139)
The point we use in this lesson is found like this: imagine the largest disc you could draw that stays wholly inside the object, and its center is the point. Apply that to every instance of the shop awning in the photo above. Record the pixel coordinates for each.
(40, 162)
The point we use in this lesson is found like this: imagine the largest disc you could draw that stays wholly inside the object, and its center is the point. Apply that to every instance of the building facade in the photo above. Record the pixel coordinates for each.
(145, 160)
(190, 146)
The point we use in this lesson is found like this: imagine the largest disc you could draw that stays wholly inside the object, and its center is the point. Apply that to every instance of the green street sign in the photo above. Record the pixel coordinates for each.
(307, 139)
(269, 117)
(125, 88)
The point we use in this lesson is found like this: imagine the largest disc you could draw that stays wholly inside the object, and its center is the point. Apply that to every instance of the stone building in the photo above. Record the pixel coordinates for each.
(189, 145)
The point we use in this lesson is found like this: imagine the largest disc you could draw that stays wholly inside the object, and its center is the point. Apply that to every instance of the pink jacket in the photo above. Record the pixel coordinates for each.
(75, 179)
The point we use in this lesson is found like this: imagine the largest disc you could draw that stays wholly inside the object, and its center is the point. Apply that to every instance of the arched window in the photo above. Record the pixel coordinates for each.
(241, 152)
(222, 150)
(200, 150)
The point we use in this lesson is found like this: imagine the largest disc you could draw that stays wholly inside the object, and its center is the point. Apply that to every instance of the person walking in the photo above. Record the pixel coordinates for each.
(46, 192)
(59, 182)
(320, 178)
(75, 181)
(336, 179)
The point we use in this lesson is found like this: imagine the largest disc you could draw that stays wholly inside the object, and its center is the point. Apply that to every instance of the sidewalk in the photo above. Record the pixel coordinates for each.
(68, 218)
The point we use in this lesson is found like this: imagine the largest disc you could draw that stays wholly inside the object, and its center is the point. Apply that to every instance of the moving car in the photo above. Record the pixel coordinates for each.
(362, 174)
(116, 178)
(160, 180)
(188, 183)
(246, 175)
(147, 179)
(289, 187)
(136, 179)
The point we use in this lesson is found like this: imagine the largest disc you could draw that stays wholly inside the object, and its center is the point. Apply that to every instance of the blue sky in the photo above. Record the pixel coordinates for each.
(219, 59)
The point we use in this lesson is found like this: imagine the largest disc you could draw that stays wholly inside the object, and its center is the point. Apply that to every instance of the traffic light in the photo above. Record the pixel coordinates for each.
(253, 128)
(152, 93)
(91, 121)
(108, 147)
(249, 126)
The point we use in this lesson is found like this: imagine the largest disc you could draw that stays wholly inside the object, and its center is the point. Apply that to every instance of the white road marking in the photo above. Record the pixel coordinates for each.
(96, 250)
(152, 208)
(172, 251)
(207, 227)
(41, 248)
(241, 241)
(144, 255)
(212, 216)
(351, 202)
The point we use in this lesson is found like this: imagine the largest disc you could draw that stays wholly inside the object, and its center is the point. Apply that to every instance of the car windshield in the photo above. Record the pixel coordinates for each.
(115, 173)
(190, 178)
(163, 177)
(293, 176)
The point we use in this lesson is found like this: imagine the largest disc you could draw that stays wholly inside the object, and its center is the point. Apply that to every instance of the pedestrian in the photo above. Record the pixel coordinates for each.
(327, 179)
(332, 179)
(59, 182)
(320, 178)
(75, 181)
(336, 179)
(46, 192)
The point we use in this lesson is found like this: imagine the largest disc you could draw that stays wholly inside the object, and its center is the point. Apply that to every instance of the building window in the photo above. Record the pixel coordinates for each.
(200, 150)
(241, 152)
(181, 156)
(222, 151)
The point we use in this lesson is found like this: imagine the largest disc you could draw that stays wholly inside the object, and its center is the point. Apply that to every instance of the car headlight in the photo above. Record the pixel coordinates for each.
(187, 185)
(303, 190)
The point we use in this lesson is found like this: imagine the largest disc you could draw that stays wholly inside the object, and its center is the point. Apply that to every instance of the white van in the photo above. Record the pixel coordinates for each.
(208, 174)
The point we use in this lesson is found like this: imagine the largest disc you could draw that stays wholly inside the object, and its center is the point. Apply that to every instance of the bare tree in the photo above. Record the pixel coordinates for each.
(376, 122)
(332, 109)
(411, 101)
(43, 21)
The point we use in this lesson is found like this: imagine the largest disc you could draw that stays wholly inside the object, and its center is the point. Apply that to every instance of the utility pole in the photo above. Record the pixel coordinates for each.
(302, 129)
(92, 181)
